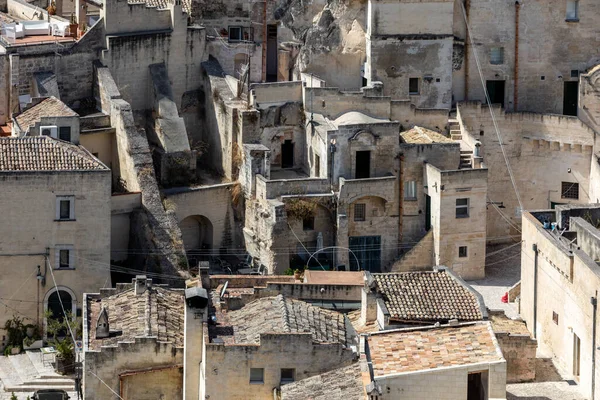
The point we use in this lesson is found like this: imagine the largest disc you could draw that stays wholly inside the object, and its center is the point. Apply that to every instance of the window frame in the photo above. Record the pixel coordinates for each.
(64, 130)
(357, 215)
(410, 186)
(286, 381)
(571, 187)
(412, 92)
(308, 224)
(71, 200)
(460, 251)
(241, 30)
(57, 256)
(575, 17)
(461, 207)
(256, 381)
(493, 61)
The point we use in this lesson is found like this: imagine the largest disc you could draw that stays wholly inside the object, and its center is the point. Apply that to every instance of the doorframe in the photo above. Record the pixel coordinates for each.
(58, 288)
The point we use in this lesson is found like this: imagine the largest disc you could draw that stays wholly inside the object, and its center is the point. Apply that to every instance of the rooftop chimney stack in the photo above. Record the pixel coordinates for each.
(141, 284)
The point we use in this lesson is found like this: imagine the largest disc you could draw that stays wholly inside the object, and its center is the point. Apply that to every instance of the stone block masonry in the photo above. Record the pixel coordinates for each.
(153, 229)
(418, 258)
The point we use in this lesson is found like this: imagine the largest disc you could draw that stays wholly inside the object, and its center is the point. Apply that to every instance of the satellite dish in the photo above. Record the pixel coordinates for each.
(223, 290)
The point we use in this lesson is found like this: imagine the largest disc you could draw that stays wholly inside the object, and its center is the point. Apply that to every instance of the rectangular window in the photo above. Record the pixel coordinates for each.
(287, 375)
(308, 223)
(317, 165)
(569, 190)
(555, 318)
(64, 257)
(257, 375)
(360, 212)
(65, 207)
(497, 55)
(410, 190)
(235, 33)
(572, 10)
(462, 251)
(413, 86)
(574, 73)
(462, 208)
(64, 133)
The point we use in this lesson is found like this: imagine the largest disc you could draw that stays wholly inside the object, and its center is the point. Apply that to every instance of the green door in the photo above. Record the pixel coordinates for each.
(367, 250)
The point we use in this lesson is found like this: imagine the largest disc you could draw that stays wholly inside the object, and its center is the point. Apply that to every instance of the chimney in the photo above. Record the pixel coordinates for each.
(368, 304)
(196, 302)
(102, 328)
(141, 283)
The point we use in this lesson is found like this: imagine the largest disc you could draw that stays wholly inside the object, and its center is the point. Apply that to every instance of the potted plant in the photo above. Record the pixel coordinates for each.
(33, 339)
(297, 274)
(59, 332)
(52, 8)
(73, 26)
(16, 333)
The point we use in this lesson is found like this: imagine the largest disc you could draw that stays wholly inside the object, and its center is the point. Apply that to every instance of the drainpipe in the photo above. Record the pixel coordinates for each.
(535, 284)
(594, 301)
(516, 73)
(467, 7)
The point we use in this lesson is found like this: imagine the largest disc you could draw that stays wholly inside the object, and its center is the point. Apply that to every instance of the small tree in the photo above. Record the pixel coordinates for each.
(59, 336)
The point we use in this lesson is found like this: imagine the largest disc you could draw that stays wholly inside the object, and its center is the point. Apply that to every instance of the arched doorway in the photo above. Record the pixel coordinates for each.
(52, 303)
(197, 234)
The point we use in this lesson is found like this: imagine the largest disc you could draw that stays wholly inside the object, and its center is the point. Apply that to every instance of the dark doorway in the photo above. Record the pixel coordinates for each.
(367, 249)
(55, 308)
(271, 53)
(427, 212)
(495, 90)
(476, 390)
(576, 357)
(570, 100)
(287, 154)
(363, 164)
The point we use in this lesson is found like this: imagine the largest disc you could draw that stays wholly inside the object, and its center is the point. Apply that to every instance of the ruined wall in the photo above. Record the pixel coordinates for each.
(279, 124)
(543, 151)
(519, 352)
(228, 367)
(110, 362)
(153, 228)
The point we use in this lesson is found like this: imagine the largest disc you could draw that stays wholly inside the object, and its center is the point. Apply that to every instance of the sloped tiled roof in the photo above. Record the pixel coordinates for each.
(282, 315)
(340, 384)
(418, 135)
(48, 107)
(42, 153)
(410, 350)
(427, 296)
(158, 312)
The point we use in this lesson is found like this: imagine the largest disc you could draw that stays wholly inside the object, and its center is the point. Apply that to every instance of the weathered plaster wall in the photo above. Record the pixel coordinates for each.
(228, 367)
(110, 362)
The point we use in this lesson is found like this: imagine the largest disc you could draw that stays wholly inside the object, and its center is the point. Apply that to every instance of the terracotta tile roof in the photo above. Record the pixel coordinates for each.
(427, 296)
(340, 384)
(418, 135)
(158, 312)
(429, 348)
(282, 315)
(42, 153)
(48, 107)
(352, 278)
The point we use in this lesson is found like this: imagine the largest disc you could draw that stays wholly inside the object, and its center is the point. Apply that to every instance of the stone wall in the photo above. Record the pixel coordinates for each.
(519, 352)
(32, 234)
(154, 228)
(228, 367)
(419, 258)
(543, 151)
(122, 205)
(116, 363)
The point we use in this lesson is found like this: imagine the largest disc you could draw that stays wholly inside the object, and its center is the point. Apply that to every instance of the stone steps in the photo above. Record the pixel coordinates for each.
(25, 373)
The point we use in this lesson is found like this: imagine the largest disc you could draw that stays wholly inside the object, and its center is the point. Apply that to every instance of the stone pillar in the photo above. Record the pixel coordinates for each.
(4, 92)
(194, 349)
(283, 66)
(342, 255)
(368, 306)
(81, 14)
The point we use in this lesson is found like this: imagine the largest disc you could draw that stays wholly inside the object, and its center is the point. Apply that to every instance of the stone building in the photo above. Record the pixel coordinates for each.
(58, 227)
(559, 288)
(249, 352)
(464, 360)
(133, 341)
(48, 117)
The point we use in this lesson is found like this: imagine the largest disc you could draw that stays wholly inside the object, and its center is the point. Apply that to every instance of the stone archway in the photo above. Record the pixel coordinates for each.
(52, 302)
(197, 233)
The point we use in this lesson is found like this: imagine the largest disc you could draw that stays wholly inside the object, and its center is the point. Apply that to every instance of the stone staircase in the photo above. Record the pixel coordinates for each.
(466, 159)
(466, 154)
(454, 129)
(25, 373)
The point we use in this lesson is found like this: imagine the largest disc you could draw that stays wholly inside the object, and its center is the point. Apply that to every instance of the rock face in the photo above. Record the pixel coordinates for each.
(332, 36)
